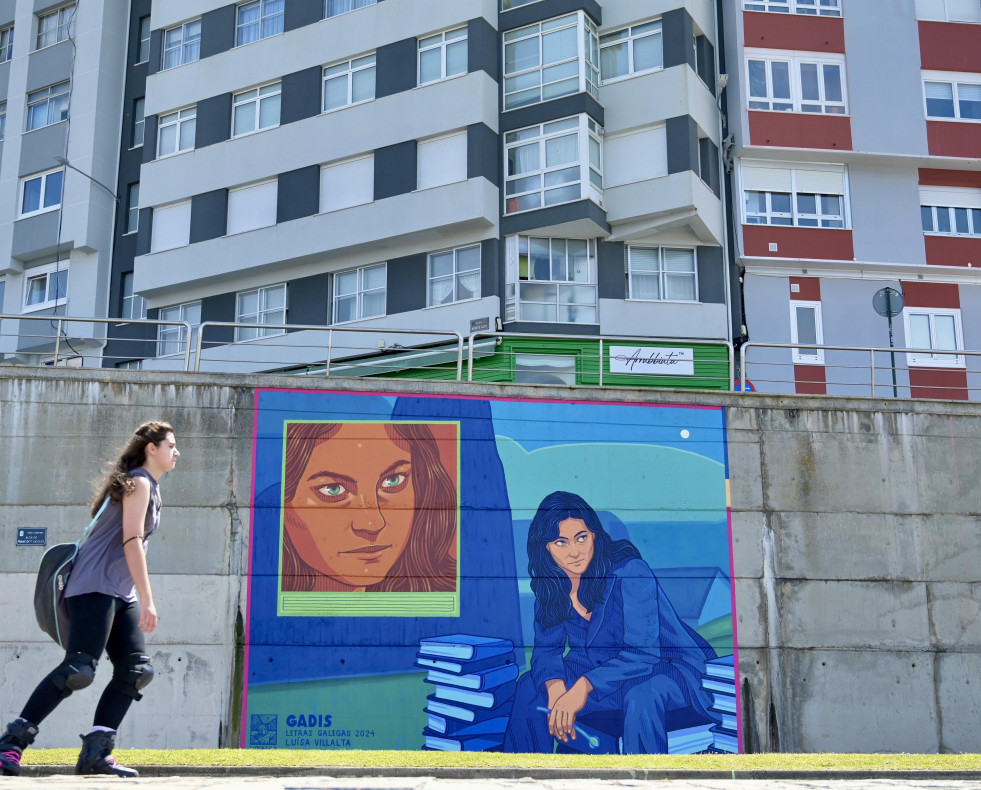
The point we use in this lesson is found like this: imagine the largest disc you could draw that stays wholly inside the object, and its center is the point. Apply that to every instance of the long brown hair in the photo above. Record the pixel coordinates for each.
(428, 562)
(116, 482)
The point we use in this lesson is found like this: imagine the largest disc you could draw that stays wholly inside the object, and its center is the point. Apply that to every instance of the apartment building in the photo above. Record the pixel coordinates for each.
(542, 168)
(855, 167)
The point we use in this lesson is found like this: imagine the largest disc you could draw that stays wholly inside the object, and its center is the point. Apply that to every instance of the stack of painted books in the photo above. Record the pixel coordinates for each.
(719, 681)
(475, 679)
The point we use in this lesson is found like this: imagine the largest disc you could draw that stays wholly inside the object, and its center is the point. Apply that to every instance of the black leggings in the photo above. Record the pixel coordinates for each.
(98, 623)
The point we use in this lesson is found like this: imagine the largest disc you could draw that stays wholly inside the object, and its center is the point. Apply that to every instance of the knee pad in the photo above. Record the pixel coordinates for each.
(76, 672)
(133, 674)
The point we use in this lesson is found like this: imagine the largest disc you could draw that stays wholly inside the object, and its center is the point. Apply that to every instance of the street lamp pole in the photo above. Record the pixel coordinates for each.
(62, 161)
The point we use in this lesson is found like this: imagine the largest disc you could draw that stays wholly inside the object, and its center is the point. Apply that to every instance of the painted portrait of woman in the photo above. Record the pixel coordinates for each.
(368, 507)
(609, 646)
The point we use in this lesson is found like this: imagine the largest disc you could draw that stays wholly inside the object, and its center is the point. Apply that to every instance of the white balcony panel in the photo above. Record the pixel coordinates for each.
(663, 319)
(680, 200)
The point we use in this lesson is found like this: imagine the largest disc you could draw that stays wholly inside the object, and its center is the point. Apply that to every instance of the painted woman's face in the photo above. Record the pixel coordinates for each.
(354, 505)
(573, 549)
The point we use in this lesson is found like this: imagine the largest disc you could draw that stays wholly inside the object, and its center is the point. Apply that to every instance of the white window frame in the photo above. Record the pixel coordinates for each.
(941, 358)
(949, 202)
(64, 28)
(634, 33)
(55, 276)
(178, 119)
(795, 62)
(334, 8)
(132, 208)
(958, 82)
(663, 274)
(6, 43)
(143, 43)
(803, 357)
(43, 176)
(441, 43)
(261, 22)
(139, 122)
(263, 314)
(794, 216)
(350, 71)
(56, 98)
(564, 287)
(188, 47)
(168, 336)
(947, 13)
(454, 277)
(803, 7)
(258, 97)
(132, 305)
(359, 294)
(519, 185)
(526, 79)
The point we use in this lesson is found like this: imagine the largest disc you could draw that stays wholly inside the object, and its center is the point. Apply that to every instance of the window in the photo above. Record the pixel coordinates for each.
(335, 7)
(45, 286)
(41, 193)
(806, 328)
(441, 161)
(939, 330)
(259, 19)
(443, 55)
(662, 274)
(55, 26)
(632, 50)
(350, 82)
(176, 130)
(171, 227)
(802, 196)
(360, 293)
(635, 156)
(350, 183)
(143, 46)
(552, 163)
(550, 59)
(952, 99)
(252, 207)
(551, 280)
(48, 105)
(3, 292)
(6, 43)
(949, 10)
(812, 7)
(182, 44)
(173, 339)
(139, 121)
(256, 109)
(951, 220)
(3, 120)
(133, 305)
(545, 369)
(454, 275)
(809, 83)
(261, 306)
(133, 208)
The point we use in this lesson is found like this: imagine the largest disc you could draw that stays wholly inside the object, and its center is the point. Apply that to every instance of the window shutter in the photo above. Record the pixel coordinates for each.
(639, 156)
(347, 184)
(766, 179)
(171, 227)
(950, 196)
(252, 207)
(442, 161)
(821, 182)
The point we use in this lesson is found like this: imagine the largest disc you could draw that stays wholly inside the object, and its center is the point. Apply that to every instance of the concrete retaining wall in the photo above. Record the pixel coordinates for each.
(855, 543)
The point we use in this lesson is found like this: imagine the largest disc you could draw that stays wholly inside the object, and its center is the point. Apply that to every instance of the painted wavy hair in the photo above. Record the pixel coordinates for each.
(428, 562)
(551, 585)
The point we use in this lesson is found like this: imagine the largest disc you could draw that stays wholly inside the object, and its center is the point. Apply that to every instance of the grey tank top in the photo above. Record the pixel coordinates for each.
(100, 566)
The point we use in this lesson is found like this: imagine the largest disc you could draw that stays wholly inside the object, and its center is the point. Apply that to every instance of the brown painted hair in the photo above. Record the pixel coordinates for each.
(116, 482)
(428, 562)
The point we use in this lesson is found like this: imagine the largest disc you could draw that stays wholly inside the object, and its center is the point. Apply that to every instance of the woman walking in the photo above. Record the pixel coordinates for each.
(110, 606)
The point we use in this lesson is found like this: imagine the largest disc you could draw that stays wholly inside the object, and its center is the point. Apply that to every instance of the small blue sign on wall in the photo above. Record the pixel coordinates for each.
(35, 536)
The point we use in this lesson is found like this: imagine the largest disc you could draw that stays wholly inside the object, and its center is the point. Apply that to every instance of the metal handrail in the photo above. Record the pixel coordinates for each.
(730, 351)
(330, 338)
(60, 321)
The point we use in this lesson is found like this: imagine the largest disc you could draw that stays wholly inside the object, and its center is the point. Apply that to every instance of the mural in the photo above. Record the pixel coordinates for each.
(475, 574)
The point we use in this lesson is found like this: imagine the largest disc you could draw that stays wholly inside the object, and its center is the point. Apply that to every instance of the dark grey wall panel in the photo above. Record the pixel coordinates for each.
(299, 13)
(528, 221)
(551, 110)
(711, 275)
(301, 95)
(548, 9)
(308, 300)
(217, 31)
(209, 215)
(214, 121)
(220, 307)
(682, 143)
(146, 231)
(678, 35)
(298, 194)
(610, 270)
(49, 65)
(708, 164)
(395, 67)
(395, 169)
(483, 153)
(407, 285)
(149, 138)
(483, 48)
(156, 51)
(491, 268)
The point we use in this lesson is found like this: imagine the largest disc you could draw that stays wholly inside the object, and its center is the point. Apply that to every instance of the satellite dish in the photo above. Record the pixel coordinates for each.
(888, 302)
